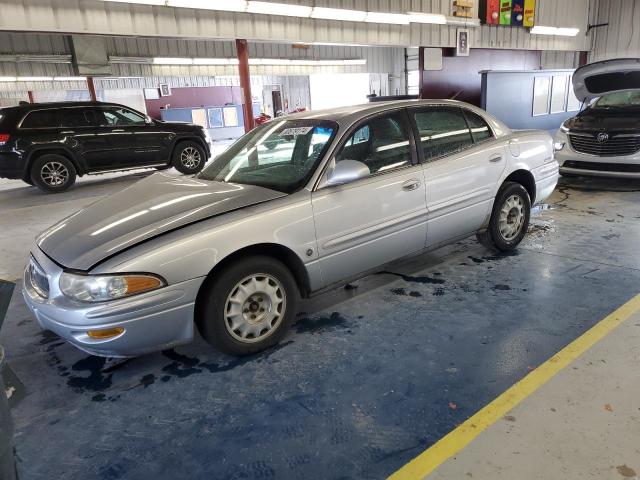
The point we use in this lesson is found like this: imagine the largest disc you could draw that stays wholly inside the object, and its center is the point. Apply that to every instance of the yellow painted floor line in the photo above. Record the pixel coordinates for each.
(456, 440)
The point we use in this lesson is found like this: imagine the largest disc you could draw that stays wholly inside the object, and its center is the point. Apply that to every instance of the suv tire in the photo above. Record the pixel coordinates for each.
(53, 173)
(509, 219)
(248, 306)
(188, 157)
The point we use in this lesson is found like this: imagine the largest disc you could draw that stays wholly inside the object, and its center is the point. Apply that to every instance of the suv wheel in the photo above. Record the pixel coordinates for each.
(509, 219)
(249, 306)
(53, 173)
(188, 158)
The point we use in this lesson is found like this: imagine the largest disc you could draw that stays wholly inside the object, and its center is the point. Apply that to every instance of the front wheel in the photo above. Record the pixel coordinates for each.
(188, 158)
(53, 173)
(509, 219)
(248, 306)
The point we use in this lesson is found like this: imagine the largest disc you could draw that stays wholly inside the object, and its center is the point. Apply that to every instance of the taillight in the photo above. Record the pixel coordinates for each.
(4, 138)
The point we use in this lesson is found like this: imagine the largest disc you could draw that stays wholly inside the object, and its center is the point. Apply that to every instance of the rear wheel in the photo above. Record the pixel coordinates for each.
(53, 173)
(188, 158)
(509, 219)
(249, 306)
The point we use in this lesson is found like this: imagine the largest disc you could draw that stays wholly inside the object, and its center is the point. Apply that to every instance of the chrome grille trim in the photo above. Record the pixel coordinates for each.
(616, 146)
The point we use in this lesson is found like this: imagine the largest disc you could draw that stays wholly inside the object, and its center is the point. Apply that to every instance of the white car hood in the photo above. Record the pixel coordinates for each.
(599, 78)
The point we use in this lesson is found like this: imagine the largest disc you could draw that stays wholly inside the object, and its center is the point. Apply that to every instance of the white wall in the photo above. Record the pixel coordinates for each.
(328, 91)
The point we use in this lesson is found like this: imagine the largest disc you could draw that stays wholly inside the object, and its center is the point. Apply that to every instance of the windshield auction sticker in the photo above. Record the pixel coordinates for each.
(295, 131)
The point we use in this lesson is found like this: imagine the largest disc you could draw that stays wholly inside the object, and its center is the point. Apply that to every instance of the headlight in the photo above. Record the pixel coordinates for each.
(102, 288)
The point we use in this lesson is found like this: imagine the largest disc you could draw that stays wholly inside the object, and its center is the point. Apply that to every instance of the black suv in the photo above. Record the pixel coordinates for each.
(49, 144)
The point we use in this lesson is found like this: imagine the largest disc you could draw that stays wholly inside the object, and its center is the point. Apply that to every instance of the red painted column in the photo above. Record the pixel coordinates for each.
(30, 95)
(245, 83)
(583, 58)
(420, 72)
(92, 89)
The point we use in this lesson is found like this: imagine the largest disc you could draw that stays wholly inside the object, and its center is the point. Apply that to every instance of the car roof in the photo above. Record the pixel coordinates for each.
(26, 107)
(355, 112)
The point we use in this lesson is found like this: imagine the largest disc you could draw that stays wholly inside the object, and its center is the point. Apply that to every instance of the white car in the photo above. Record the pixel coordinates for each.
(604, 138)
(295, 206)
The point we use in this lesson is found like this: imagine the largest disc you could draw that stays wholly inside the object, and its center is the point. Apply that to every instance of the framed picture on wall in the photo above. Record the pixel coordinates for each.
(462, 43)
(165, 90)
(215, 118)
(151, 93)
(230, 116)
(559, 93)
(573, 103)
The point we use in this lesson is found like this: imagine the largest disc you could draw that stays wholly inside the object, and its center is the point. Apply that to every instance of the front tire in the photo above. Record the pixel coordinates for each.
(53, 173)
(188, 157)
(509, 219)
(248, 306)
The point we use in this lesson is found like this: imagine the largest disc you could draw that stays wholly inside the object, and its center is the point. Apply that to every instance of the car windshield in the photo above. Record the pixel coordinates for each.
(280, 155)
(619, 99)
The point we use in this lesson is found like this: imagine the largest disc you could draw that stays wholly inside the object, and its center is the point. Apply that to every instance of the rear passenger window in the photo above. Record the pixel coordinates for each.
(40, 119)
(443, 131)
(382, 144)
(78, 117)
(479, 128)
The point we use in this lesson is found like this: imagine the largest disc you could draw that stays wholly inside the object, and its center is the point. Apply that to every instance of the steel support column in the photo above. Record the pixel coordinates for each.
(30, 95)
(420, 72)
(245, 83)
(92, 89)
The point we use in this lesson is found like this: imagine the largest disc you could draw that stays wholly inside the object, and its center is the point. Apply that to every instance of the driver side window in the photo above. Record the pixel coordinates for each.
(382, 144)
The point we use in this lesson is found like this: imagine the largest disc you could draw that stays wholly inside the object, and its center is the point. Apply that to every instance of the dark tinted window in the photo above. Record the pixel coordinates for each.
(382, 144)
(479, 128)
(607, 82)
(41, 119)
(77, 117)
(118, 116)
(442, 130)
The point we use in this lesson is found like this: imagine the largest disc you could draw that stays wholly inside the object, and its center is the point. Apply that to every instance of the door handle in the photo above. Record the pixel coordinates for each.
(118, 130)
(67, 131)
(411, 185)
(495, 158)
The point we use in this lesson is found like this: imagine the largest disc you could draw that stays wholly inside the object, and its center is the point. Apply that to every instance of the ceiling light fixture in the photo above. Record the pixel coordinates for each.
(559, 31)
(417, 17)
(222, 5)
(342, 14)
(35, 79)
(284, 9)
(252, 61)
(390, 18)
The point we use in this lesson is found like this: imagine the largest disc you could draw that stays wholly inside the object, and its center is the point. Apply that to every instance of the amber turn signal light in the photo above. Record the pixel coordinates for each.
(104, 334)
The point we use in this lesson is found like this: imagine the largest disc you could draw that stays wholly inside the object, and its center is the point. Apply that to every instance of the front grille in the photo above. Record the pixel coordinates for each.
(614, 147)
(603, 167)
(37, 278)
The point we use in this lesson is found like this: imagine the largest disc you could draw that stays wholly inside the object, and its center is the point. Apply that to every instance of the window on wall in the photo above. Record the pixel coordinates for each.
(413, 83)
(382, 144)
(442, 130)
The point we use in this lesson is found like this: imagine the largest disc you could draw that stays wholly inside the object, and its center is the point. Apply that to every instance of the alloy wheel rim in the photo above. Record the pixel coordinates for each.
(190, 157)
(511, 217)
(54, 174)
(255, 308)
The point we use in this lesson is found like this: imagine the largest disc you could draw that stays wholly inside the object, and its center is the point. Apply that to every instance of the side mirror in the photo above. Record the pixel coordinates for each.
(347, 171)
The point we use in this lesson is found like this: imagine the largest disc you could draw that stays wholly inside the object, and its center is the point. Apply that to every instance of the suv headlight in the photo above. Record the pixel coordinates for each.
(102, 288)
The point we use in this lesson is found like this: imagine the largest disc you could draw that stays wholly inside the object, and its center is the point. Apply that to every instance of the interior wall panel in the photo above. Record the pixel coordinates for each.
(621, 38)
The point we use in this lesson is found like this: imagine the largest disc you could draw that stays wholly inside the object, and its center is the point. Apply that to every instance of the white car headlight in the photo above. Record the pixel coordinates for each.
(102, 288)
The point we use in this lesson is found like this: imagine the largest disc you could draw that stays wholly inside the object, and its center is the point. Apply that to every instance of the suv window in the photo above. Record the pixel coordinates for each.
(77, 117)
(41, 119)
(442, 130)
(479, 128)
(118, 116)
(382, 144)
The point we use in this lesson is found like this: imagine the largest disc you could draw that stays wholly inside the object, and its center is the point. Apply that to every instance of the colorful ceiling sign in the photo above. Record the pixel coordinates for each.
(505, 12)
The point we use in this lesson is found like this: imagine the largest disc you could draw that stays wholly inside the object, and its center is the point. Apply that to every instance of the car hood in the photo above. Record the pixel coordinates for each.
(599, 78)
(155, 205)
(605, 120)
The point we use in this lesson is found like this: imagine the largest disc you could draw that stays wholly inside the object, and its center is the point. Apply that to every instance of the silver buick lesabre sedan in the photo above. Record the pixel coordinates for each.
(296, 206)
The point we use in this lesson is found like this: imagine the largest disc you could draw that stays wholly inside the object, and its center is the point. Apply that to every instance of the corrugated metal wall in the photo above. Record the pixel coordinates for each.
(622, 37)
(92, 16)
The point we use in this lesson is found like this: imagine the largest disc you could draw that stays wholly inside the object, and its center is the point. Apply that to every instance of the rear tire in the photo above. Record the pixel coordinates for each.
(53, 173)
(509, 219)
(248, 306)
(188, 157)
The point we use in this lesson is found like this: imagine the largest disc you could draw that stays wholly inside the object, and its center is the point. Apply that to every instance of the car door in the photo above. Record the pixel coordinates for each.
(462, 165)
(80, 132)
(376, 219)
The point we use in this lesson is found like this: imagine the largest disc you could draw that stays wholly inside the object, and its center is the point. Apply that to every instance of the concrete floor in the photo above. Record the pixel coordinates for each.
(367, 379)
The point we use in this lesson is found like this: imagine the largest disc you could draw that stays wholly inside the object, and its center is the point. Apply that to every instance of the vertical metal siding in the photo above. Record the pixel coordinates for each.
(622, 37)
(92, 16)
